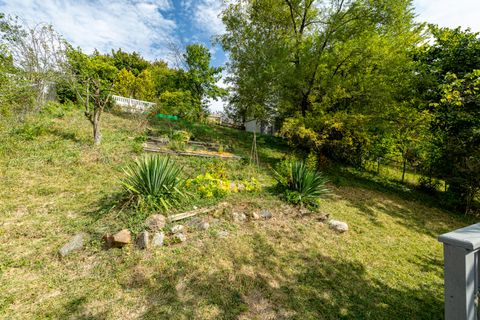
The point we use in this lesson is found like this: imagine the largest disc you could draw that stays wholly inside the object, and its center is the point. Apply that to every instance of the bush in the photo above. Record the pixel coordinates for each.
(180, 136)
(300, 184)
(209, 186)
(178, 140)
(154, 182)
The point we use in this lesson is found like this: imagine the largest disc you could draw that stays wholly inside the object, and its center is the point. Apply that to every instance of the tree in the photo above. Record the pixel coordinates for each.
(37, 54)
(164, 78)
(299, 52)
(446, 72)
(179, 103)
(337, 65)
(457, 136)
(145, 86)
(132, 62)
(93, 78)
(200, 78)
(125, 83)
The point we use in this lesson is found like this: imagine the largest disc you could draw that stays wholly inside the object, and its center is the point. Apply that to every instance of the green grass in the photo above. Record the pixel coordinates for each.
(55, 184)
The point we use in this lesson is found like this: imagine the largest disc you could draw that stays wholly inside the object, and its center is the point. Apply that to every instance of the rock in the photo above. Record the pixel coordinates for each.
(121, 238)
(239, 217)
(202, 226)
(177, 228)
(223, 234)
(240, 187)
(155, 222)
(198, 224)
(323, 216)
(338, 226)
(157, 239)
(304, 211)
(255, 216)
(75, 243)
(265, 214)
(143, 241)
(180, 237)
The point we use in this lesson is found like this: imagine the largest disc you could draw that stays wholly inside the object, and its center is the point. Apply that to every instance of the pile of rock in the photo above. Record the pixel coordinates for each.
(155, 233)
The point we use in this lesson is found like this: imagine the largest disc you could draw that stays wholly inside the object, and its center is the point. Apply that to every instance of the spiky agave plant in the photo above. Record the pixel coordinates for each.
(154, 181)
(301, 184)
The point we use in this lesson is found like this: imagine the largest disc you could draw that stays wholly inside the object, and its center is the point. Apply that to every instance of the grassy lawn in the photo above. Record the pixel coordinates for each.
(55, 184)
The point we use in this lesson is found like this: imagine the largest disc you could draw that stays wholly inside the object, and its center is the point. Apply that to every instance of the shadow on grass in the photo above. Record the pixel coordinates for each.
(77, 307)
(415, 217)
(296, 285)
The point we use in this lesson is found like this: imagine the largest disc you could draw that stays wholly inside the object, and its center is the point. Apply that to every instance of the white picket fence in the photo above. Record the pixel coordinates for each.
(132, 105)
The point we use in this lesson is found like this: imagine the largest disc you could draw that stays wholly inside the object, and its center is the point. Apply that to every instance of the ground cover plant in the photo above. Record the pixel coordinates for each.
(54, 184)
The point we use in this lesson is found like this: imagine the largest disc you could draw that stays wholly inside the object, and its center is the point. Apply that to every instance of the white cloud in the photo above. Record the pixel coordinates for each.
(131, 25)
(207, 16)
(187, 4)
(450, 13)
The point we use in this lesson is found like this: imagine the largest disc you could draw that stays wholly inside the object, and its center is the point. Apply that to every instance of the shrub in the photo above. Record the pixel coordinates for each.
(300, 184)
(207, 186)
(180, 136)
(210, 186)
(179, 140)
(154, 182)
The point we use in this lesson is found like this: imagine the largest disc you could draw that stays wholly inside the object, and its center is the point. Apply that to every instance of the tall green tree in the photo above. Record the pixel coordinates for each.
(448, 84)
(336, 66)
(132, 62)
(200, 78)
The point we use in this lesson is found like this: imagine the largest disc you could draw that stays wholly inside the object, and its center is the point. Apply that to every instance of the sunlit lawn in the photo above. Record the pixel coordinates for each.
(388, 266)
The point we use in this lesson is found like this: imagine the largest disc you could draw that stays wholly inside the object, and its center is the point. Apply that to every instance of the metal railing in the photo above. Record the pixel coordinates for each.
(133, 105)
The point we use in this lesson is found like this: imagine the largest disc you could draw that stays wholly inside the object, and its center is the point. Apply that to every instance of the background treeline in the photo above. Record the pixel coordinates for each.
(360, 80)
(36, 61)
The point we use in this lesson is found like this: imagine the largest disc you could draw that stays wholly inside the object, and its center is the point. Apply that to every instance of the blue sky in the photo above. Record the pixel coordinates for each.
(151, 27)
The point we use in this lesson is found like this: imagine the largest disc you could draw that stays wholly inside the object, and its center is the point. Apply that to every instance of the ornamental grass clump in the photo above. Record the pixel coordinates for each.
(301, 184)
(154, 182)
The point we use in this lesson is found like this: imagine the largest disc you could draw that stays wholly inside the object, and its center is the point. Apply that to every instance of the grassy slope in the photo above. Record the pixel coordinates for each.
(388, 266)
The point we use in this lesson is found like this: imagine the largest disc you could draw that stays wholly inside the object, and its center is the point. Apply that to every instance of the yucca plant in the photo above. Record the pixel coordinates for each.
(154, 181)
(301, 184)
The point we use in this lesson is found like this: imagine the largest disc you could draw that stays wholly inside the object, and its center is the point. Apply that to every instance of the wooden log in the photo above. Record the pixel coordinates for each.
(189, 214)
(158, 140)
(149, 148)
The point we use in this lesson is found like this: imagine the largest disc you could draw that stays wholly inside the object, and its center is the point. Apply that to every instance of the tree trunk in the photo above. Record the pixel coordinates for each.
(404, 167)
(97, 136)
(304, 104)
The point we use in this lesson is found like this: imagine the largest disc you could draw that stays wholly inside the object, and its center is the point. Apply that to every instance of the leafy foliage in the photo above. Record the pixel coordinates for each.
(211, 186)
(301, 184)
(154, 182)
(450, 94)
